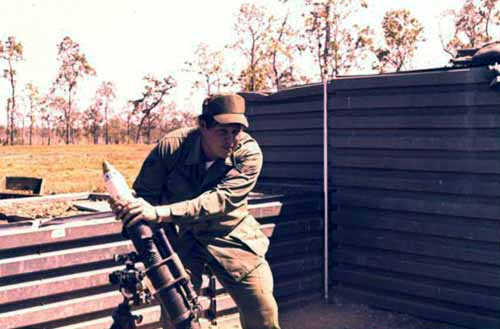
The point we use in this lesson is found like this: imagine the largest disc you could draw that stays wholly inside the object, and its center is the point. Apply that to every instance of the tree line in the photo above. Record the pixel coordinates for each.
(272, 47)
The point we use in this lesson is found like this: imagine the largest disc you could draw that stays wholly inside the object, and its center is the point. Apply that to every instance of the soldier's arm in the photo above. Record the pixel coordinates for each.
(149, 182)
(229, 194)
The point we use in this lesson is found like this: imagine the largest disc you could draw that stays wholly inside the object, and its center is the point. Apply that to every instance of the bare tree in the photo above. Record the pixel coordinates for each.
(209, 66)
(34, 100)
(11, 51)
(472, 25)
(53, 115)
(92, 121)
(269, 45)
(253, 26)
(105, 94)
(153, 95)
(181, 119)
(46, 118)
(336, 45)
(116, 134)
(74, 66)
(285, 47)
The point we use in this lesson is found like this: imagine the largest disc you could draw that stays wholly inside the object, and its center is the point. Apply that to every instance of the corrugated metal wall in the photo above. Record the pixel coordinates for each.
(57, 276)
(415, 178)
(415, 181)
(288, 127)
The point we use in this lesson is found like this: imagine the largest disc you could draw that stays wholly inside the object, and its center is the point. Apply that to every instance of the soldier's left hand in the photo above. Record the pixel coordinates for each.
(137, 210)
(117, 205)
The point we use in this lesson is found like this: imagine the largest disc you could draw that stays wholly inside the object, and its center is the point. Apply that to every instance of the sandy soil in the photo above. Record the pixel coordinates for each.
(345, 314)
(34, 210)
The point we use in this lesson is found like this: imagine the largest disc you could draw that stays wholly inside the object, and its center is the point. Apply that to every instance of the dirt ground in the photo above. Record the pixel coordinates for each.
(345, 314)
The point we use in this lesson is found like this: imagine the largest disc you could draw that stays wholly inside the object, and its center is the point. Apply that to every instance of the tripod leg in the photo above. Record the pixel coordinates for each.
(123, 317)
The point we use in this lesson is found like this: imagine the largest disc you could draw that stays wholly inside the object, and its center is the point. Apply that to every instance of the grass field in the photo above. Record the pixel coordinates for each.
(71, 168)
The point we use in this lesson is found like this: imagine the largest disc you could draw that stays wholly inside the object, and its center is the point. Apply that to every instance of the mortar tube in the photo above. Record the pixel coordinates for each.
(169, 295)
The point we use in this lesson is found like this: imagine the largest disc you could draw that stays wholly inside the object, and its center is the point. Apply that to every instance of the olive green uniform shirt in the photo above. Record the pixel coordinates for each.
(208, 205)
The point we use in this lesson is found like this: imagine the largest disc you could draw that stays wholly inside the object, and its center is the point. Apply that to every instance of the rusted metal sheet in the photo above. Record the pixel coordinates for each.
(57, 285)
(67, 263)
(423, 79)
(372, 140)
(423, 267)
(447, 205)
(63, 258)
(295, 286)
(150, 321)
(437, 119)
(415, 99)
(426, 182)
(445, 313)
(150, 316)
(431, 289)
(461, 228)
(49, 314)
(300, 105)
(296, 122)
(48, 198)
(414, 159)
(30, 236)
(297, 171)
(271, 209)
(4, 195)
(417, 173)
(404, 160)
(73, 307)
(421, 245)
(42, 315)
(32, 184)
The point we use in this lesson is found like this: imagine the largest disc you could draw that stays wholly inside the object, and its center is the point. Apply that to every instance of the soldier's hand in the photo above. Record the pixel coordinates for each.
(137, 210)
(117, 205)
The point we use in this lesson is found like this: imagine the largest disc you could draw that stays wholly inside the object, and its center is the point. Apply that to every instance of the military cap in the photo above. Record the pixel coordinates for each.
(226, 109)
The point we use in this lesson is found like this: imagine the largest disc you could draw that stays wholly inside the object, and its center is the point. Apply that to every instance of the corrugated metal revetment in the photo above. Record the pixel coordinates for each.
(288, 127)
(57, 275)
(415, 179)
(415, 223)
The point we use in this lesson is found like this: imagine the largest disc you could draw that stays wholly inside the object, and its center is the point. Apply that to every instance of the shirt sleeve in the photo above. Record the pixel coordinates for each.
(229, 194)
(149, 182)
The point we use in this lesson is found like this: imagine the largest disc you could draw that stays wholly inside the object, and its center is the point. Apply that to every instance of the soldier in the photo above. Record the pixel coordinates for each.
(199, 179)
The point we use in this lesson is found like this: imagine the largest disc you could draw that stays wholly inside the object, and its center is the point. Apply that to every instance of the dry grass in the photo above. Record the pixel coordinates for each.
(71, 168)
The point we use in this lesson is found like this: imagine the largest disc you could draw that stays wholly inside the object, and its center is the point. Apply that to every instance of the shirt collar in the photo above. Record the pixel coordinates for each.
(195, 156)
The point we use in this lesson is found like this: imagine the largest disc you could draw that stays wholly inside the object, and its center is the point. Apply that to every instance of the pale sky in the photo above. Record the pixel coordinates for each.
(125, 40)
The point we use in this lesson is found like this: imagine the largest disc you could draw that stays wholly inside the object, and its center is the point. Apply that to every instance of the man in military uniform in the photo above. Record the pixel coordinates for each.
(199, 179)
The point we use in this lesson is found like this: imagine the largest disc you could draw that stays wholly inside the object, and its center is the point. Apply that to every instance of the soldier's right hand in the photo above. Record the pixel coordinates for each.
(138, 210)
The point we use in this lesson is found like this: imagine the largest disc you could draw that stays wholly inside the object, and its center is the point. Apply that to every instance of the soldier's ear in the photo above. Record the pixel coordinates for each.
(202, 123)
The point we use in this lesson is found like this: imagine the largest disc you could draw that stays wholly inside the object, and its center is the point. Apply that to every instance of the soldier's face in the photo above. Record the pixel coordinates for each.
(219, 141)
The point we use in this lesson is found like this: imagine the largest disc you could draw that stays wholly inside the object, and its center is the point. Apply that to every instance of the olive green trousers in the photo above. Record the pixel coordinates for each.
(253, 294)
